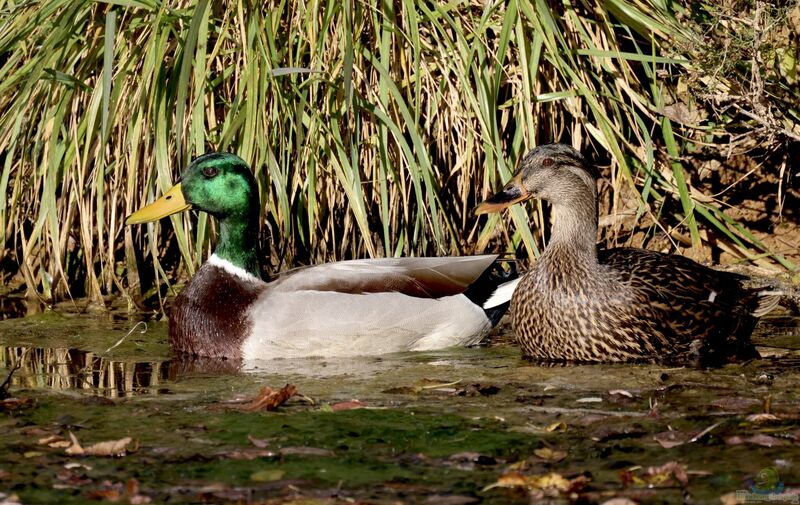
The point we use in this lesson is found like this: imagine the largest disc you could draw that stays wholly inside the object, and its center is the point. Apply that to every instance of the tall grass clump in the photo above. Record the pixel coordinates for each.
(373, 127)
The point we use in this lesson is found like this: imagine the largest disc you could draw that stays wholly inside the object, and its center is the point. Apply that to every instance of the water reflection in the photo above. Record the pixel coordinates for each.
(63, 369)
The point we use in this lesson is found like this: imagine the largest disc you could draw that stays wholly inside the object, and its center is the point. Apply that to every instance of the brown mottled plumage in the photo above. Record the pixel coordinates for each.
(626, 304)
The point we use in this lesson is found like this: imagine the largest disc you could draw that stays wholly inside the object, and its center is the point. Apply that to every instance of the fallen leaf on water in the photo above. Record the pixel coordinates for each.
(478, 389)
(551, 481)
(72, 465)
(270, 399)
(71, 479)
(261, 443)
(129, 491)
(560, 426)
(55, 441)
(759, 439)
(670, 439)
(735, 403)
(305, 451)
(657, 475)
(268, 475)
(114, 448)
(620, 501)
(550, 455)
(762, 418)
(9, 499)
(352, 404)
(247, 454)
(621, 392)
(14, 403)
(513, 479)
(672, 469)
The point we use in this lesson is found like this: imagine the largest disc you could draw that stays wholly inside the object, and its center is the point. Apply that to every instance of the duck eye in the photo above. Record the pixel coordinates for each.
(210, 172)
(547, 162)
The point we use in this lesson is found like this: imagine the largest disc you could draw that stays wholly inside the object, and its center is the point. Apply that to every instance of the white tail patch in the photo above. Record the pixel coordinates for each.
(768, 301)
(502, 294)
(231, 268)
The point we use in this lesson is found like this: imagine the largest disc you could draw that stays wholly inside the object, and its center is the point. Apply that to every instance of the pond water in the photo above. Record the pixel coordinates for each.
(456, 426)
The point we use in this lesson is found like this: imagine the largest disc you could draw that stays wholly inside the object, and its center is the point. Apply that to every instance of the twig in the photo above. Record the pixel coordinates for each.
(128, 335)
(7, 383)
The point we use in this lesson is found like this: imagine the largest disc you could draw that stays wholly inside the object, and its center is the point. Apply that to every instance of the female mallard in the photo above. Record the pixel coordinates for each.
(348, 308)
(626, 304)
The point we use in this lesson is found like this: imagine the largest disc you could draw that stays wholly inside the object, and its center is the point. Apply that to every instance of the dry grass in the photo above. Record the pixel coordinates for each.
(373, 127)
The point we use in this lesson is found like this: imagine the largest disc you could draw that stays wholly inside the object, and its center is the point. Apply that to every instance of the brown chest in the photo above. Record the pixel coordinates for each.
(210, 316)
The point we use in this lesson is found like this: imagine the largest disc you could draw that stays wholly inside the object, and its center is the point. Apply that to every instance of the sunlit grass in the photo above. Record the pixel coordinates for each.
(373, 127)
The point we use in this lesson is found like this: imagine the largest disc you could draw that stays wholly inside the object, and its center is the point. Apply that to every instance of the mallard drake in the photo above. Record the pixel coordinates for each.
(625, 304)
(349, 308)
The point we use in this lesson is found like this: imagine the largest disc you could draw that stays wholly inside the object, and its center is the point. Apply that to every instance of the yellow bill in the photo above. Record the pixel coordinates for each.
(170, 203)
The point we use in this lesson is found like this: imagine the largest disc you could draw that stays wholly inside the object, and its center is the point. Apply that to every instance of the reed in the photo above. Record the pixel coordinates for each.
(373, 127)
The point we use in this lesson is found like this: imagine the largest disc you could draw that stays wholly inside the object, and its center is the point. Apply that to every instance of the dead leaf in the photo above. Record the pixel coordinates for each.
(620, 392)
(247, 454)
(117, 491)
(55, 441)
(305, 451)
(759, 439)
(270, 399)
(113, 448)
(352, 404)
(71, 479)
(560, 426)
(662, 475)
(551, 481)
(478, 389)
(735, 403)
(14, 403)
(550, 455)
(261, 443)
(670, 439)
(512, 479)
(9, 499)
(762, 418)
(270, 475)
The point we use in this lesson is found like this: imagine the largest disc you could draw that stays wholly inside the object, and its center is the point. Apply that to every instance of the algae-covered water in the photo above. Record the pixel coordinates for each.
(454, 427)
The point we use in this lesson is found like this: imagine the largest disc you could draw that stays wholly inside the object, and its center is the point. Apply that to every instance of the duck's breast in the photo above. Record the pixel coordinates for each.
(210, 315)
